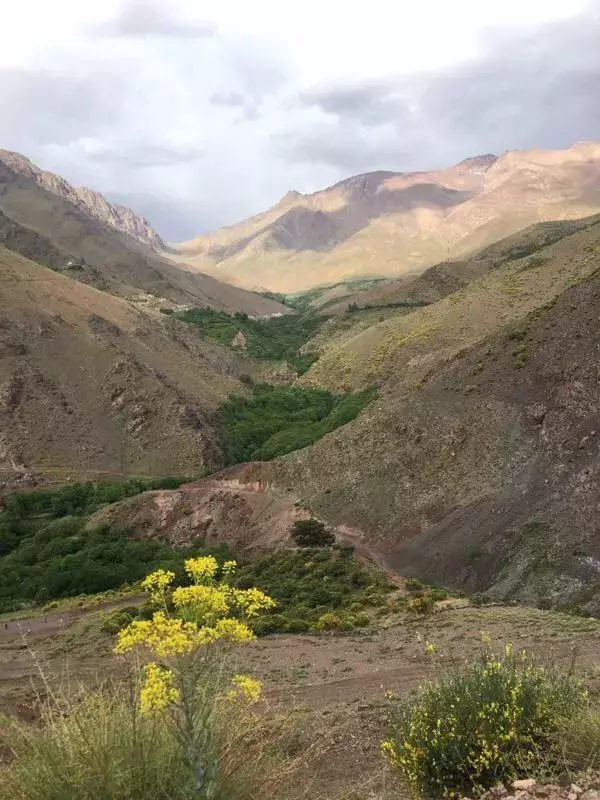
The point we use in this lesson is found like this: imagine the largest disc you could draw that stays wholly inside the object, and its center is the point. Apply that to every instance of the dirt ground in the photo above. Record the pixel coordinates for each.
(335, 685)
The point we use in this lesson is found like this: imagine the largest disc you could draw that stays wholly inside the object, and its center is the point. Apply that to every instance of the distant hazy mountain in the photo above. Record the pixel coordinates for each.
(392, 224)
(100, 244)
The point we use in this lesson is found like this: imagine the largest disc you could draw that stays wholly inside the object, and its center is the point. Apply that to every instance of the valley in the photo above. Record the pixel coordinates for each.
(435, 423)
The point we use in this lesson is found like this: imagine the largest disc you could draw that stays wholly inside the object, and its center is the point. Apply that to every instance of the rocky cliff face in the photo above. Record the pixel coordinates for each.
(119, 217)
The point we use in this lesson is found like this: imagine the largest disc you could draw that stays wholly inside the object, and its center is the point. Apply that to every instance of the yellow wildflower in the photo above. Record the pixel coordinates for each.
(204, 603)
(164, 635)
(229, 567)
(157, 583)
(202, 569)
(252, 601)
(245, 686)
(233, 630)
(158, 690)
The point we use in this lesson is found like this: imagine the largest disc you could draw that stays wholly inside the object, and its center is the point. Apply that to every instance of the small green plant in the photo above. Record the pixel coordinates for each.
(414, 585)
(311, 533)
(421, 606)
(486, 723)
(479, 599)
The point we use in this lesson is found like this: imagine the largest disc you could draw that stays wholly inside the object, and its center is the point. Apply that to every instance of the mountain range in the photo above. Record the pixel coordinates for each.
(105, 246)
(476, 465)
(391, 223)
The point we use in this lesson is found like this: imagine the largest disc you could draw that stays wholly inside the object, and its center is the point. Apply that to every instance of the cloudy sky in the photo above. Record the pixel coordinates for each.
(199, 113)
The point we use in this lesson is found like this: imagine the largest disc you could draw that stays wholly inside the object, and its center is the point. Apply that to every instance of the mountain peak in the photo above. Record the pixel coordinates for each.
(119, 217)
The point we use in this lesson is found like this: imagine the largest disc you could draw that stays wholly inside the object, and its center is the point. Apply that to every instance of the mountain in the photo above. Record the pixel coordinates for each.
(105, 246)
(393, 224)
(91, 384)
(477, 466)
(118, 217)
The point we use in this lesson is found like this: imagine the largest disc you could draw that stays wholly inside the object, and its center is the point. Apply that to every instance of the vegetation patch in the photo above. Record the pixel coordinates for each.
(274, 420)
(46, 553)
(496, 719)
(315, 589)
(274, 339)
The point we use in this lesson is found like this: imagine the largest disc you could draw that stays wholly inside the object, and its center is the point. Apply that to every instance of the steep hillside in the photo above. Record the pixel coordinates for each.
(89, 383)
(478, 465)
(109, 257)
(448, 276)
(392, 224)
(118, 217)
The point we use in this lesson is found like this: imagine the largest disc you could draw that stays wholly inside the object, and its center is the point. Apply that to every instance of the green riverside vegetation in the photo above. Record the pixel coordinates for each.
(274, 339)
(274, 420)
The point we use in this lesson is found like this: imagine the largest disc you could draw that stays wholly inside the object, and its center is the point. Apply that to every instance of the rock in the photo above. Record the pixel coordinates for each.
(498, 791)
(537, 412)
(576, 789)
(525, 784)
(591, 794)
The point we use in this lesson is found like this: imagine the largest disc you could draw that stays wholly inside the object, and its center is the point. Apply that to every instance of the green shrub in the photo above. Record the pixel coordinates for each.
(114, 621)
(309, 583)
(311, 533)
(296, 626)
(479, 599)
(328, 622)
(414, 585)
(438, 594)
(579, 738)
(484, 724)
(276, 420)
(421, 605)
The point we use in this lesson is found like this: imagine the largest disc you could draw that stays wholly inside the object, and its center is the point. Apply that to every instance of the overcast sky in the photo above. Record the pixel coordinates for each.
(199, 113)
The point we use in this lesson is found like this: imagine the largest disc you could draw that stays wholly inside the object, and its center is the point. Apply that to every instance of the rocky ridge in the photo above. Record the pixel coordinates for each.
(117, 216)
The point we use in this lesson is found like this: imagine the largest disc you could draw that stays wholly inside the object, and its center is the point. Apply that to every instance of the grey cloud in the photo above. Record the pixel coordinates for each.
(228, 99)
(42, 107)
(141, 18)
(347, 147)
(532, 88)
(148, 155)
(370, 103)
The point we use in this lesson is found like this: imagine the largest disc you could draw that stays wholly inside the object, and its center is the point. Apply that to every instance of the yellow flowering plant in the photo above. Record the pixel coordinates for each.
(476, 726)
(185, 643)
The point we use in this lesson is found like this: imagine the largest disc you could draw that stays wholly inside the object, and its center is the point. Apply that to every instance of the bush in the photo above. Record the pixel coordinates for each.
(309, 583)
(311, 533)
(421, 605)
(479, 599)
(328, 622)
(486, 724)
(414, 585)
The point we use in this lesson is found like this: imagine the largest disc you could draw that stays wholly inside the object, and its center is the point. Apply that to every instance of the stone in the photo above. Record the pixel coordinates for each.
(498, 791)
(525, 784)
(591, 794)
(572, 796)
(537, 412)
(576, 789)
